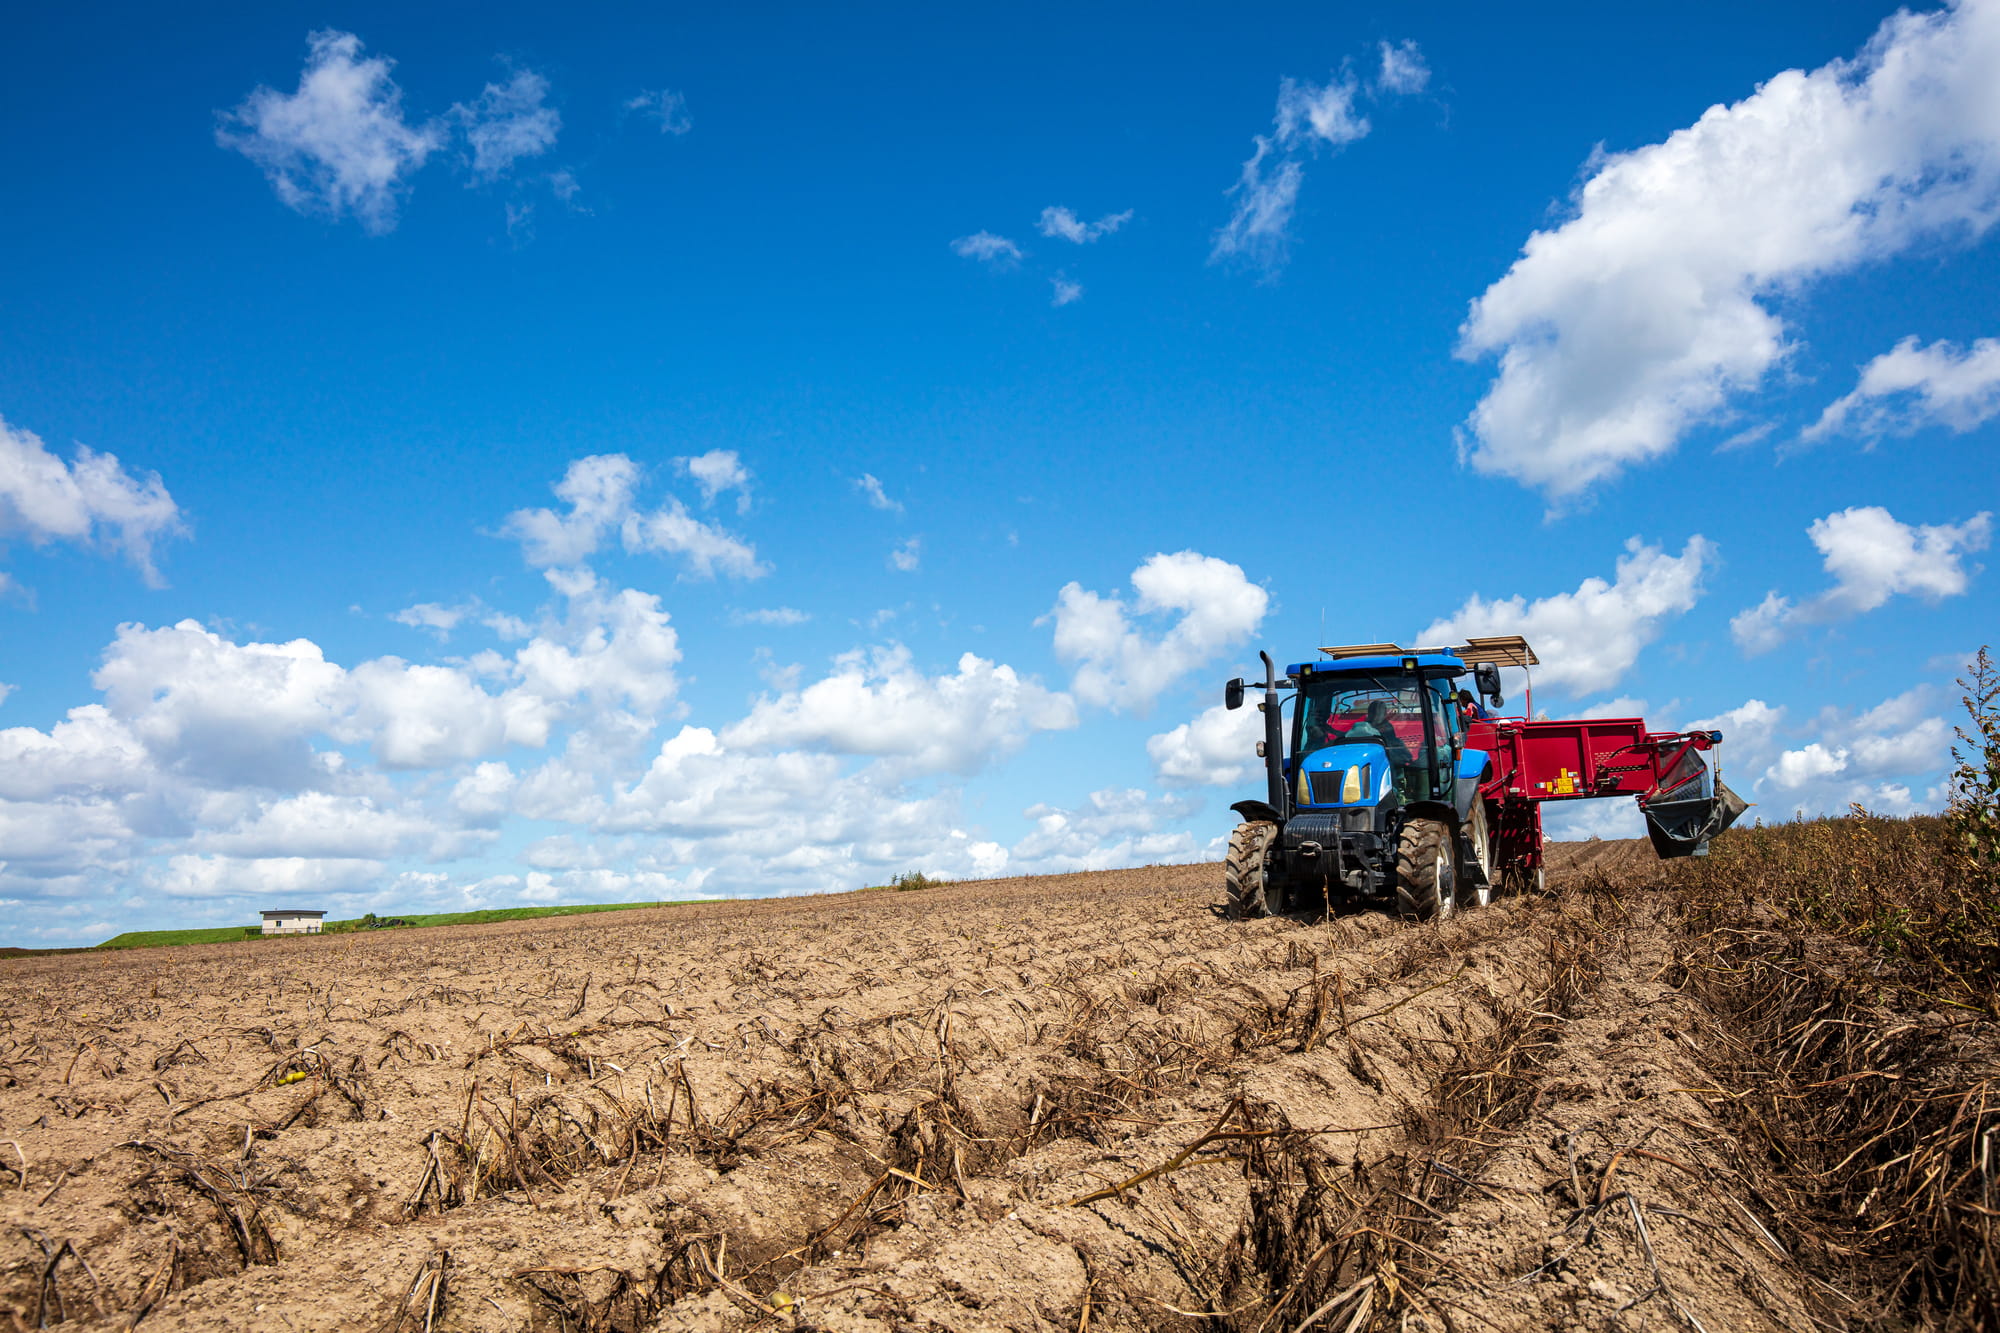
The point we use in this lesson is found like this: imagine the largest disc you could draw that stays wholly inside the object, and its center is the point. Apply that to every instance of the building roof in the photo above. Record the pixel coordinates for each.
(295, 911)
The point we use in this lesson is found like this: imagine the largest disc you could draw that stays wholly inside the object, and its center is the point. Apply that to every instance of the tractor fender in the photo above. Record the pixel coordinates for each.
(1256, 812)
(1475, 770)
(1438, 810)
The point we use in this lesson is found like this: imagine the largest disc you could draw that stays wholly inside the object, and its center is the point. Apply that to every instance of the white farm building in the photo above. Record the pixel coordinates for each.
(291, 921)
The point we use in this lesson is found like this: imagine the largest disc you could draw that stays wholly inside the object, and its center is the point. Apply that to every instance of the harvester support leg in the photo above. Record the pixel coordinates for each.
(1482, 868)
(1245, 873)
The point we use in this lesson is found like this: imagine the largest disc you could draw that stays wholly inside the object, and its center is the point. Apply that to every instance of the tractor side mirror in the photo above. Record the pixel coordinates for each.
(1232, 694)
(1487, 676)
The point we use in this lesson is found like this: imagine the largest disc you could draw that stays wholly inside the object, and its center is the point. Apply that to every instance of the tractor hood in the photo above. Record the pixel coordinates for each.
(1353, 774)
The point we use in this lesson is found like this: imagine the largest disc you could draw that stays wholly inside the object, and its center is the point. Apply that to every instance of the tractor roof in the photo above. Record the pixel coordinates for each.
(1425, 658)
(1500, 649)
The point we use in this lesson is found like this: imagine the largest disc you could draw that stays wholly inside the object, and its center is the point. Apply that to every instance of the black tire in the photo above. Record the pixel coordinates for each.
(1482, 871)
(1246, 872)
(1426, 870)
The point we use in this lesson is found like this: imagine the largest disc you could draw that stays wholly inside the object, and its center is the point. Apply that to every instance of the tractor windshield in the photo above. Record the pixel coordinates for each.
(1397, 711)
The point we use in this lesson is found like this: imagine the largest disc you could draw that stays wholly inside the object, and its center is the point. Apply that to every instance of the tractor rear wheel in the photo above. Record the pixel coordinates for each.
(1246, 871)
(1426, 870)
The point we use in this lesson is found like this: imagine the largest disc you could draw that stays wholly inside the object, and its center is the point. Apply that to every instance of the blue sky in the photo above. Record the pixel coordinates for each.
(480, 456)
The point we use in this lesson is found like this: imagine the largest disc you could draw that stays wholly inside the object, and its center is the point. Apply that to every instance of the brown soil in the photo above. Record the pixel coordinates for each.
(1070, 1102)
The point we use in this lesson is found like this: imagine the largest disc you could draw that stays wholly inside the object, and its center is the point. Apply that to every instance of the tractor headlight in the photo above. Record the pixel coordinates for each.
(1350, 790)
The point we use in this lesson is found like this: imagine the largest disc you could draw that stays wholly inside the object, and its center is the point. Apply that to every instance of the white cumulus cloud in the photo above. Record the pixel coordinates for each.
(1588, 639)
(878, 704)
(599, 494)
(1217, 748)
(1871, 757)
(1113, 827)
(717, 471)
(598, 491)
(1872, 557)
(339, 144)
(1117, 665)
(1637, 319)
(193, 876)
(91, 501)
(1911, 386)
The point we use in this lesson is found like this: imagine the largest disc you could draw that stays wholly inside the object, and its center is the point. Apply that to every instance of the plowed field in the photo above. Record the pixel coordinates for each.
(1077, 1102)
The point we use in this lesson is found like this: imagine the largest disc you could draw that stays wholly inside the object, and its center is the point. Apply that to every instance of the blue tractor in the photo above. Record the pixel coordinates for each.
(1393, 783)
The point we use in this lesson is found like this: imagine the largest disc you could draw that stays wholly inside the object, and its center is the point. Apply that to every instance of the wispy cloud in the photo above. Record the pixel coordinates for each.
(1059, 222)
(508, 121)
(339, 145)
(907, 556)
(1259, 228)
(1403, 70)
(776, 616)
(984, 246)
(1310, 117)
(871, 489)
(435, 618)
(665, 108)
(1065, 291)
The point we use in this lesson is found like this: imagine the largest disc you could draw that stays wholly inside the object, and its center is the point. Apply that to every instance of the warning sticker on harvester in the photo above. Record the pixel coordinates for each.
(1562, 784)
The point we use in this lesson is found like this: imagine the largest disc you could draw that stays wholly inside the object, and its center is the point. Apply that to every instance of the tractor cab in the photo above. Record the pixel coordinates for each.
(1380, 731)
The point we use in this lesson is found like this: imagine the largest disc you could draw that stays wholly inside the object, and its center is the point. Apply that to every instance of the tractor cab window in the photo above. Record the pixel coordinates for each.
(1412, 720)
(1450, 715)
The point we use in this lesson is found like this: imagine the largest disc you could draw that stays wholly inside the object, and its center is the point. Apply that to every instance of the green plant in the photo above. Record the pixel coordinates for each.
(1975, 783)
(913, 879)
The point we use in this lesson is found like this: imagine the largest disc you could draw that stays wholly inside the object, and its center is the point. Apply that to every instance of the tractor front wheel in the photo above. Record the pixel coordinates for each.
(1426, 870)
(1246, 871)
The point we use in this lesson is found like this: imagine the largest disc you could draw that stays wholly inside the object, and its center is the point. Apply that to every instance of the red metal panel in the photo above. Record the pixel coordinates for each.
(1574, 760)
